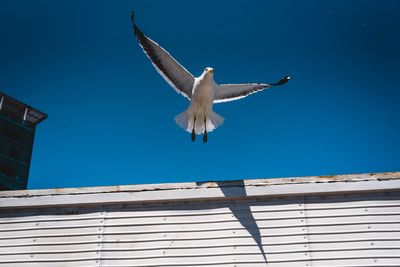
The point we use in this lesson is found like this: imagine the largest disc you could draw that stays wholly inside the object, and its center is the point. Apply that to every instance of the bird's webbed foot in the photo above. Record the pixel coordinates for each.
(193, 135)
(205, 135)
(193, 132)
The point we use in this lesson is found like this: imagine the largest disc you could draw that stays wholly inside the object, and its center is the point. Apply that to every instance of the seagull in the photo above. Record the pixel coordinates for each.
(202, 92)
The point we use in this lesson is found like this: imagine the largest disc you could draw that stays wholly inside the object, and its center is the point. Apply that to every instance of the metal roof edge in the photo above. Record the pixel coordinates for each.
(273, 187)
(44, 115)
(207, 184)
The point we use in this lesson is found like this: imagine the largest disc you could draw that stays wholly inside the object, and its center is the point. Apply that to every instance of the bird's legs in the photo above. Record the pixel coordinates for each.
(205, 137)
(193, 133)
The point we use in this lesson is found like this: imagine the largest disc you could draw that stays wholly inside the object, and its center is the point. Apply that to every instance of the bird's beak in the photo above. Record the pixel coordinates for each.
(211, 70)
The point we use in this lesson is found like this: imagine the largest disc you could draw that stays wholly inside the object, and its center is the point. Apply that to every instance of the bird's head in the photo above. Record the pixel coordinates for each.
(208, 71)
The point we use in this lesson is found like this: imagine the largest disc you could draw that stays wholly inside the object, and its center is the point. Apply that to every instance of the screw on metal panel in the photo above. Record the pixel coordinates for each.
(302, 220)
(372, 243)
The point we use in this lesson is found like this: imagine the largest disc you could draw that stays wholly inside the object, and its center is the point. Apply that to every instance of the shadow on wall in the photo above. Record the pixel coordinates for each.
(243, 212)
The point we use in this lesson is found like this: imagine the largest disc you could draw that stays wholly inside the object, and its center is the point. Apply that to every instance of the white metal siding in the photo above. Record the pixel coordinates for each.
(359, 229)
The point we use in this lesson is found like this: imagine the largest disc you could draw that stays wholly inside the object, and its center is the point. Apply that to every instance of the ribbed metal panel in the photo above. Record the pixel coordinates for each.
(360, 229)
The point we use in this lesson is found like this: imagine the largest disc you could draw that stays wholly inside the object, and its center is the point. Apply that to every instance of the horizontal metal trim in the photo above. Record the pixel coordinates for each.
(206, 230)
(15, 142)
(230, 237)
(226, 229)
(190, 191)
(251, 244)
(198, 255)
(60, 218)
(192, 264)
(202, 264)
(13, 160)
(188, 222)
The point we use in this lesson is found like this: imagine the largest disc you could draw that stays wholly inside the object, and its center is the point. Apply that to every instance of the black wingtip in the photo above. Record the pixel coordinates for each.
(133, 17)
(282, 81)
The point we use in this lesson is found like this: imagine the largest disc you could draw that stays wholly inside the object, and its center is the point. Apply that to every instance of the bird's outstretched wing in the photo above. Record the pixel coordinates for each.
(173, 72)
(231, 92)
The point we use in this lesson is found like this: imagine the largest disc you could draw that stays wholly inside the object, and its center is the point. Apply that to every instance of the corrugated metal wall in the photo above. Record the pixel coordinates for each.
(334, 230)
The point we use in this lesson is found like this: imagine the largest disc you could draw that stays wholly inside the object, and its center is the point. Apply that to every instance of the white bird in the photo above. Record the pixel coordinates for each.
(202, 91)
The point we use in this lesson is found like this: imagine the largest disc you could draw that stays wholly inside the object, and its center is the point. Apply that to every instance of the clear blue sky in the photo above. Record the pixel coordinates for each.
(111, 115)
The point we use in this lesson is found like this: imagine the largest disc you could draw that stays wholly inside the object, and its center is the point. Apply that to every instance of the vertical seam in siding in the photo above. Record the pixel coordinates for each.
(371, 243)
(307, 254)
(101, 235)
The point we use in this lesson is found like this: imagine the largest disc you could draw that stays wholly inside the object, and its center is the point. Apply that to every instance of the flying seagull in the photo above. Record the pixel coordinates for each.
(202, 91)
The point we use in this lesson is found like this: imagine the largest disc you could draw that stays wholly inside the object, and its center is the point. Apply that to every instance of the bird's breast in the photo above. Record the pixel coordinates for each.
(203, 89)
(202, 97)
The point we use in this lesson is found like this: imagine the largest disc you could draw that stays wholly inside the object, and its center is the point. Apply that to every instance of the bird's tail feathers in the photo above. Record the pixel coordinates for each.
(213, 122)
(182, 119)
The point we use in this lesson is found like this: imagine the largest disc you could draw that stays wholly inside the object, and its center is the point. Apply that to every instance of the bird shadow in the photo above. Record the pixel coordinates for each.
(243, 211)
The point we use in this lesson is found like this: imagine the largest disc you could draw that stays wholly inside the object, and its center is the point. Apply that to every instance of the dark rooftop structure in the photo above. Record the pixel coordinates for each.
(17, 131)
